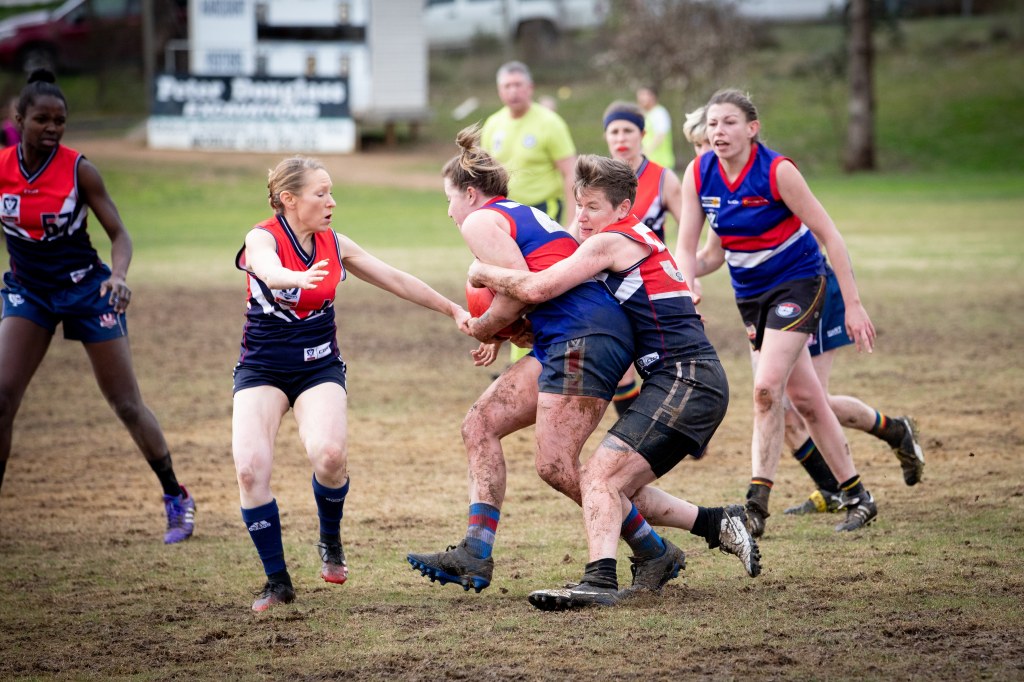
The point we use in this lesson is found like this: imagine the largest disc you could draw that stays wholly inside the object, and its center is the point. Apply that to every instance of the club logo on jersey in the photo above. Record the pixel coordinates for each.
(648, 359)
(711, 202)
(15, 300)
(11, 206)
(286, 298)
(787, 310)
(754, 201)
(321, 351)
(108, 320)
(530, 141)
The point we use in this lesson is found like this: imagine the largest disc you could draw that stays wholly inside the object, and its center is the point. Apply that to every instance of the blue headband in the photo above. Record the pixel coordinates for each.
(635, 119)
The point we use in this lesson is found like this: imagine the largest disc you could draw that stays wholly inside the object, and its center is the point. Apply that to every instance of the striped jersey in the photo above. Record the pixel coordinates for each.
(583, 310)
(764, 243)
(290, 328)
(658, 303)
(44, 220)
(650, 202)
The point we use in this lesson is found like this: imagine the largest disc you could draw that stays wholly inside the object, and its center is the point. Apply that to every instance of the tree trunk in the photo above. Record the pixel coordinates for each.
(860, 133)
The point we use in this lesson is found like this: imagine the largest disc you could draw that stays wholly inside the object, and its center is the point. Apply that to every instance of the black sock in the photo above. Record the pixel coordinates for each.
(890, 430)
(164, 470)
(330, 539)
(757, 494)
(280, 577)
(601, 573)
(708, 524)
(3, 468)
(852, 487)
(813, 462)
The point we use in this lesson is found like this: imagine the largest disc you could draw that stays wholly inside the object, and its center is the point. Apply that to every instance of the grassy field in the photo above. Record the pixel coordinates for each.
(930, 591)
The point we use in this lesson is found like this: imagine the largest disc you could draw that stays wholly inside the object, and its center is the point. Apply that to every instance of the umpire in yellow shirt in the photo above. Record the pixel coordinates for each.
(533, 143)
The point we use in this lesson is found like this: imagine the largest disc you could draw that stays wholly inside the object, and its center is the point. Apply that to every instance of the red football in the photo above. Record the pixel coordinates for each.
(478, 300)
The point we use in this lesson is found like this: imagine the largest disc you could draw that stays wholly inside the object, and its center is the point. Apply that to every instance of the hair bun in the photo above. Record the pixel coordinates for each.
(42, 75)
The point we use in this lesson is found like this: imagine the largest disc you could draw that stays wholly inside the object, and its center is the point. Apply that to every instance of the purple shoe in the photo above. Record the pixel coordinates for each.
(181, 517)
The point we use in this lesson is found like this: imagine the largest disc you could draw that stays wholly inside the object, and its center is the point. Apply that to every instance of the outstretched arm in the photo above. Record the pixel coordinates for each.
(373, 270)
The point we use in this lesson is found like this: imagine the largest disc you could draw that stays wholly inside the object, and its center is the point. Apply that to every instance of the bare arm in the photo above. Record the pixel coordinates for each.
(487, 234)
(262, 259)
(594, 255)
(94, 191)
(691, 224)
(798, 197)
(567, 167)
(373, 270)
(672, 189)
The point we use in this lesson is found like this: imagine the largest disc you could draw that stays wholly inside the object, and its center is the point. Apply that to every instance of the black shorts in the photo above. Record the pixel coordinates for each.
(792, 306)
(678, 410)
(291, 382)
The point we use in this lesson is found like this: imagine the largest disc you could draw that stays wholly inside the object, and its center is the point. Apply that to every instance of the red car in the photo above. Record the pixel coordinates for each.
(83, 34)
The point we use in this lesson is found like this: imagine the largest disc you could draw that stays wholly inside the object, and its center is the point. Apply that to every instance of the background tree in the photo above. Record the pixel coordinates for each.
(860, 128)
(671, 43)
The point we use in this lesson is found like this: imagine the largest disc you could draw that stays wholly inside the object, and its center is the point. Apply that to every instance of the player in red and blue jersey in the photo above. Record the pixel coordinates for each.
(683, 397)
(657, 196)
(56, 277)
(582, 342)
(290, 358)
(769, 224)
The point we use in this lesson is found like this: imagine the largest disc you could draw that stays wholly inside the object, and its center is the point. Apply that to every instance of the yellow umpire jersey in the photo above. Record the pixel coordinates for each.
(528, 148)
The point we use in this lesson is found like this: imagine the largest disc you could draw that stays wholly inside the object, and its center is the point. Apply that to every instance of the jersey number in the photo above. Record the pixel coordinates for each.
(55, 224)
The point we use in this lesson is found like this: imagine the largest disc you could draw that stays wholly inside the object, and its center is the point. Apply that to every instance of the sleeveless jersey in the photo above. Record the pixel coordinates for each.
(290, 328)
(583, 310)
(765, 244)
(657, 300)
(650, 204)
(44, 220)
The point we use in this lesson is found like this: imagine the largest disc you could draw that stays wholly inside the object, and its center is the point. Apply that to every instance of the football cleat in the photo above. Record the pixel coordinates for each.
(909, 452)
(273, 593)
(861, 510)
(334, 568)
(736, 539)
(455, 565)
(576, 597)
(651, 573)
(181, 517)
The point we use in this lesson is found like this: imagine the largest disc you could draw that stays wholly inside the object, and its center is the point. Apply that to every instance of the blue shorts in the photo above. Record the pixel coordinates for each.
(831, 331)
(678, 410)
(86, 316)
(588, 366)
(292, 383)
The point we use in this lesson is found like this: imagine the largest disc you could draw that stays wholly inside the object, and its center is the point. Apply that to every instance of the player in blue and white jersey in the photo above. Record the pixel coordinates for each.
(769, 224)
(900, 433)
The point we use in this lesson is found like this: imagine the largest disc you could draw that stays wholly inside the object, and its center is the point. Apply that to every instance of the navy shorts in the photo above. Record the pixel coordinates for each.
(793, 306)
(678, 410)
(831, 331)
(86, 316)
(588, 366)
(292, 383)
